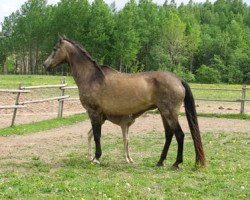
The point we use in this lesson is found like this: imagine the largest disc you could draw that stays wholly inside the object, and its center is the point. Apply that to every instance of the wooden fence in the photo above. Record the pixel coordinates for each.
(27, 89)
(63, 87)
(241, 100)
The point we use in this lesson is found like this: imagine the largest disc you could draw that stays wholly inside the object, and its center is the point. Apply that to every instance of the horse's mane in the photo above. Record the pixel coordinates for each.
(84, 51)
(107, 69)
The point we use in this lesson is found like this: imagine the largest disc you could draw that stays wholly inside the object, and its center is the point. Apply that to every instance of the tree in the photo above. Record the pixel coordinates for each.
(125, 39)
(172, 39)
(148, 16)
(100, 26)
(206, 74)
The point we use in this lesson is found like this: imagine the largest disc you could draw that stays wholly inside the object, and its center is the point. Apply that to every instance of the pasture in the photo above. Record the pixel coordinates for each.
(53, 165)
(48, 161)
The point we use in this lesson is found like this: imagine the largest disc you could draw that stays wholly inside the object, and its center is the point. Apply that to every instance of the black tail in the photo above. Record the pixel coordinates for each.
(193, 125)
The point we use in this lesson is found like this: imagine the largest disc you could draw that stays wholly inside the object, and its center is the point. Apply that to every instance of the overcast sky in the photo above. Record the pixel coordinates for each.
(9, 6)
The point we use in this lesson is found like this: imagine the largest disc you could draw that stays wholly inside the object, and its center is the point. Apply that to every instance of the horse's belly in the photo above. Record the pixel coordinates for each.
(125, 105)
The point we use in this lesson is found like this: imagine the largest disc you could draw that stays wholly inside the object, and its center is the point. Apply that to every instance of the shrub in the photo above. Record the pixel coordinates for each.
(183, 73)
(206, 74)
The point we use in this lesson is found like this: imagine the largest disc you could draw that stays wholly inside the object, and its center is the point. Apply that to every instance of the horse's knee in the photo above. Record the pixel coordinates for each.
(180, 136)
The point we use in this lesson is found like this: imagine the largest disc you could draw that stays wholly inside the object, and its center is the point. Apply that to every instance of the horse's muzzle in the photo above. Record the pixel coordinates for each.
(48, 68)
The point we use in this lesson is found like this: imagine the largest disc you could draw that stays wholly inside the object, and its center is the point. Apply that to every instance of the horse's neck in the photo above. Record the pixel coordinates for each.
(83, 70)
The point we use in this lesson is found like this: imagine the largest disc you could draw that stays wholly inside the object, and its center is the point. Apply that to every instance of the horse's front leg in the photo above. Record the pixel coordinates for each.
(90, 135)
(96, 127)
(125, 141)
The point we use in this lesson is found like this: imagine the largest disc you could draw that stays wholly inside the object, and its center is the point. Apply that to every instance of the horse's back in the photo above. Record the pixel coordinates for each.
(131, 93)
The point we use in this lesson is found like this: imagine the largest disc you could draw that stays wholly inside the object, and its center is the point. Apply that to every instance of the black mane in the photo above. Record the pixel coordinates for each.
(84, 51)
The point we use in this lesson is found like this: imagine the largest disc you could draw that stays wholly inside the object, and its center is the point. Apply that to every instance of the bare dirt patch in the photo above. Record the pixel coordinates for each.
(53, 145)
(49, 110)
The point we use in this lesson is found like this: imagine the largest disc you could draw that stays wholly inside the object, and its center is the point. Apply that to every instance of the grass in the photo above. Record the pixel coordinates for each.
(226, 116)
(214, 115)
(42, 125)
(58, 122)
(217, 94)
(12, 82)
(73, 177)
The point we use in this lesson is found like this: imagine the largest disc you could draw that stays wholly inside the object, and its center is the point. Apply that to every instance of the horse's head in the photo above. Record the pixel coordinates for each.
(57, 56)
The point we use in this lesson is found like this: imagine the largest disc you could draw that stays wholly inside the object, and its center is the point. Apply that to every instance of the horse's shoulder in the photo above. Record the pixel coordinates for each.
(107, 69)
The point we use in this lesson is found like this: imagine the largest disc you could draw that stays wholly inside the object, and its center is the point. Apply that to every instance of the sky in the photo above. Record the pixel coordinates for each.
(9, 6)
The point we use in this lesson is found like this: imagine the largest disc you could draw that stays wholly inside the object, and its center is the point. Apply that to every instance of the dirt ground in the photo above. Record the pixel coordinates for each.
(60, 141)
(49, 110)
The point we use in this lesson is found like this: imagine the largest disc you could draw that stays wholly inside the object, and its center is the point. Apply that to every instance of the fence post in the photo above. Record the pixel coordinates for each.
(15, 109)
(61, 101)
(243, 97)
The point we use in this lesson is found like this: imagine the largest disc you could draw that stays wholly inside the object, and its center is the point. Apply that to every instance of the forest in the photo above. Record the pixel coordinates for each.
(200, 42)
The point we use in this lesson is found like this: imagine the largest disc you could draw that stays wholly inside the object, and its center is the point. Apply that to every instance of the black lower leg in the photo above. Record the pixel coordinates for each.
(163, 157)
(168, 139)
(180, 140)
(97, 137)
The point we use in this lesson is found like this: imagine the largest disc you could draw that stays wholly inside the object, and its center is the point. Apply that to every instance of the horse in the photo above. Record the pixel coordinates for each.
(121, 122)
(122, 97)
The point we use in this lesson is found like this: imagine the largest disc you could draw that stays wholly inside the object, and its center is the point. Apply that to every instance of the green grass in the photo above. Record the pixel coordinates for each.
(57, 122)
(226, 116)
(13, 81)
(214, 115)
(217, 94)
(73, 177)
(42, 125)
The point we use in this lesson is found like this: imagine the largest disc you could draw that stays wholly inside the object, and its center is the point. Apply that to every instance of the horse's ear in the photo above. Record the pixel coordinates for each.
(64, 37)
(60, 39)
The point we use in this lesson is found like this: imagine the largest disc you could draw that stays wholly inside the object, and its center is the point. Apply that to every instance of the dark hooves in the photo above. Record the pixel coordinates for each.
(95, 161)
(175, 167)
(160, 164)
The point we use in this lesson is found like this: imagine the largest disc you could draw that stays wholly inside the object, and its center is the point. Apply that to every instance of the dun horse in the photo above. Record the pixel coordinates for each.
(121, 98)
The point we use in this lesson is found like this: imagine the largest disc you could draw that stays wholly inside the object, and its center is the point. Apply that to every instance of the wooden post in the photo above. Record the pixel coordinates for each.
(61, 102)
(243, 97)
(15, 109)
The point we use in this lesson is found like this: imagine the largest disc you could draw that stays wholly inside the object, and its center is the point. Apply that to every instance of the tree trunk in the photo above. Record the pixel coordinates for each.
(5, 68)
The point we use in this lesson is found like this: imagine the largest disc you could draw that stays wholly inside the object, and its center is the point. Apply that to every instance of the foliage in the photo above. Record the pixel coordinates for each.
(206, 74)
(142, 34)
(184, 74)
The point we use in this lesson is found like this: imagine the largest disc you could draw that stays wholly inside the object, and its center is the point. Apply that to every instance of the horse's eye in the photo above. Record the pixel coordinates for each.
(54, 49)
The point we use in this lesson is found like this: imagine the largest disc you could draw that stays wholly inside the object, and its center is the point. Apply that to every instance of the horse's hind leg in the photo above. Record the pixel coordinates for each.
(171, 122)
(90, 136)
(180, 140)
(125, 141)
(168, 139)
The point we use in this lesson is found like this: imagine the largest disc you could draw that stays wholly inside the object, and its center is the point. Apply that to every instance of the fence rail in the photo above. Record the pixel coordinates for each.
(27, 89)
(64, 98)
(242, 100)
(43, 86)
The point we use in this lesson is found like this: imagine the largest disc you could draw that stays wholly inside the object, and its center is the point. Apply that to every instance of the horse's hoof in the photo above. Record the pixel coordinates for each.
(131, 160)
(175, 167)
(127, 160)
(95, 161)
(160, 164)
(90, 158)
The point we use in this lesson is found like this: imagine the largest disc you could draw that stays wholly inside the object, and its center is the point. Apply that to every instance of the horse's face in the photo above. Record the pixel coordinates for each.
(57, 56)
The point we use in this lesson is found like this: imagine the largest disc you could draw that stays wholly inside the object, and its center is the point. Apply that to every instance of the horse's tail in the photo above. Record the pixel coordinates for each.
(193, 125)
